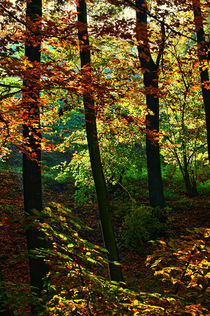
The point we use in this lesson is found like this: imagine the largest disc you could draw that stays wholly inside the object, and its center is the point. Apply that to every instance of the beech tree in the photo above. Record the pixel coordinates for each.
(203, 58)
(32, 136)
(93, 146)
(150, 73)
(182, 118)
(114, 95)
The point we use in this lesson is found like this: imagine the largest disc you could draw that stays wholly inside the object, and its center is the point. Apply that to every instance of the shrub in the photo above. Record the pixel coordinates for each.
(140, 225)
(183, 265)
(75, 284)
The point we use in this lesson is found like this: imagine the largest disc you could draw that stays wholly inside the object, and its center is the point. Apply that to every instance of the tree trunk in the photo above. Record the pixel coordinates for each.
(191, 189)
(190, 186)
(93, 146)
(203, 56)
(150, 69)
(32, 135)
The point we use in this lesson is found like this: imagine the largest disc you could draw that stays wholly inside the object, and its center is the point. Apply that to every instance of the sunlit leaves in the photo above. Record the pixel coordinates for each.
(75, 279)
(184, 262)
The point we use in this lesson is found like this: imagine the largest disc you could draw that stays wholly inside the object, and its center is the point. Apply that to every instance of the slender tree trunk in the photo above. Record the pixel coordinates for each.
(31, 133)
(190, 186)
(187, 181)
(150, 69)
(203, 56)
(93, 146)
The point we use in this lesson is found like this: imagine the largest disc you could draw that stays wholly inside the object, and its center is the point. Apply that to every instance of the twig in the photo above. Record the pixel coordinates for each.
(17, 19)
(137, 7)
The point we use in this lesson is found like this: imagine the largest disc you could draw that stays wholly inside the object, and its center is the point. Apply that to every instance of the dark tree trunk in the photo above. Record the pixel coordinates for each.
(191, 189)
(152, 149)
(150, 70)
(203, 56)
(32, 135)
(190, 186)
(93, 146)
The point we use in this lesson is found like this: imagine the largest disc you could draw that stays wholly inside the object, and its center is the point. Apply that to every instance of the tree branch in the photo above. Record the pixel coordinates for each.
(136, 7)
(2, 97)
(162, 45)
(8, 85)
(17, 19)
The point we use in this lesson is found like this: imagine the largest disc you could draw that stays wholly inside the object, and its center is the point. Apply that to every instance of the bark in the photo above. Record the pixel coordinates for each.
(150, 73)
(191, 189)
(93, 146)
(31, 132)
(203, 56)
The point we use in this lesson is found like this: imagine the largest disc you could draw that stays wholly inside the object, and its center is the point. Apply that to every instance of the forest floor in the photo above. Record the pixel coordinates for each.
(185, 213)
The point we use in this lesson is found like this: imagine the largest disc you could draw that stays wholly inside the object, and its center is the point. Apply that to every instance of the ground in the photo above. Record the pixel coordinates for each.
(184, 213)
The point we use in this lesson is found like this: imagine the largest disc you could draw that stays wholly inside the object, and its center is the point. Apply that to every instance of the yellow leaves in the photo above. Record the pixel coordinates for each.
(202, 65)
(207, 233)
(156, 263)
(26, 64)
(62, 219)
(162, 242)
(174, 281)
(62, 237)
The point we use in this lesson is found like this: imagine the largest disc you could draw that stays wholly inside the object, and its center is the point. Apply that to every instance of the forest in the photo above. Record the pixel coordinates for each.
(104, 155)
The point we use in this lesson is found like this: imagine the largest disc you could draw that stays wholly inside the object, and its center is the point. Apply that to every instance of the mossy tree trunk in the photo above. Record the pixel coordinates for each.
(93, 146)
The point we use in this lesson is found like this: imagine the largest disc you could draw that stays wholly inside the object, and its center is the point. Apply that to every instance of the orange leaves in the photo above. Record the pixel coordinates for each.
(184, 262)
(48, 147)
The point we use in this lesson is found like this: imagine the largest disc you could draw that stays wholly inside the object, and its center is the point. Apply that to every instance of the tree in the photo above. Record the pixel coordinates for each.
(93, 146)
(203, 58)
(32, 136)
(150, 72)
(182, 115)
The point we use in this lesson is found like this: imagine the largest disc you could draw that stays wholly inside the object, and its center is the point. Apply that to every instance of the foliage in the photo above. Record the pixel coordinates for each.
(122, 164)
(183, 264)
(140, 225)
(76, 286)
(182, 116)
(18, 297)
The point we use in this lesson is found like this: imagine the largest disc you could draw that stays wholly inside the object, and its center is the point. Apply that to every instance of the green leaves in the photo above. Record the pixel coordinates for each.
(76, 268)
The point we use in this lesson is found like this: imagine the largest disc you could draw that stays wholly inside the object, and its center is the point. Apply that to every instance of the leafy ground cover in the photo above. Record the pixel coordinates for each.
(13, 260)
(184, 214)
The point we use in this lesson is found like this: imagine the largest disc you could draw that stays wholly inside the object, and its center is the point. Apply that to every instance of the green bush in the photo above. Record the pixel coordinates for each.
(140, 225)
(170, 194)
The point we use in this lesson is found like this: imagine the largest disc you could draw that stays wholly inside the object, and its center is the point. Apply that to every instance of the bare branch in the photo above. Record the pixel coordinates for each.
(8, 85)
(2, 97)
